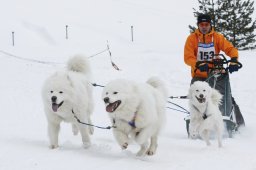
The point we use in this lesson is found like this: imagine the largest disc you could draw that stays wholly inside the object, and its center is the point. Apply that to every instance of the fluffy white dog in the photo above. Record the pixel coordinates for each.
(205, 114)
(66, 93)
(137, 111)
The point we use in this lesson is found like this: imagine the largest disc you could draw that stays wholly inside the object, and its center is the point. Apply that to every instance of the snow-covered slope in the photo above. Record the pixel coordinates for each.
(160, 31)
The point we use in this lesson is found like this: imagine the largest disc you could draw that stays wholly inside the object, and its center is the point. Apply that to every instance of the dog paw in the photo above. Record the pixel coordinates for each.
(86, 145)
(140, 153)
(75, 130)
(150, 153)
(53, 146)
(124, 146)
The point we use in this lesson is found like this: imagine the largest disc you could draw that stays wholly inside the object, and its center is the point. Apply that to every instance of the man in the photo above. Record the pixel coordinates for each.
(202, 45)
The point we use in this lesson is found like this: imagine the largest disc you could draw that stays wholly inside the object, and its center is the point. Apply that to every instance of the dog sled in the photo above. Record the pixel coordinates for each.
(218, 78)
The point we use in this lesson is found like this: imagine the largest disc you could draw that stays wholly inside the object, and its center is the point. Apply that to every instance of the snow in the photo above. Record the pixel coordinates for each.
(160, 31)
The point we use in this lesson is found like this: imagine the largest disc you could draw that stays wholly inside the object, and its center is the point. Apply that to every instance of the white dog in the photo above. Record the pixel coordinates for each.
(205, 113)
(65, 94)
(137, 111)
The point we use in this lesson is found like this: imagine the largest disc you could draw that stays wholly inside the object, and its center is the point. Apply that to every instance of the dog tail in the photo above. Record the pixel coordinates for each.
(79, 63)
(159, 85)
(216, 97)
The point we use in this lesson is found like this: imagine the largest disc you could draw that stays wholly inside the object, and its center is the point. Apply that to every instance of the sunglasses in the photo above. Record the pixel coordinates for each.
(204, 24)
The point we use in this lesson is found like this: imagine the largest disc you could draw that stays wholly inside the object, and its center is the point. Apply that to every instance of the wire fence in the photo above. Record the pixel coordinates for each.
(57, 63)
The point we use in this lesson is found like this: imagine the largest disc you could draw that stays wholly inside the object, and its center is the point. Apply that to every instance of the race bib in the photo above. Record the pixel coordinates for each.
(205, 52)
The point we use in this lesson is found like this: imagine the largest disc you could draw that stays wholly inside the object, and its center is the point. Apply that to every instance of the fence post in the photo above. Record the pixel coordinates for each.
(12, 38)
(66, 31)
(132, 32)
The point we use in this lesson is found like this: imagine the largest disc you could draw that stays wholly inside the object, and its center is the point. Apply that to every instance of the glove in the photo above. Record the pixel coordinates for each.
(233, 66)
(203, 67)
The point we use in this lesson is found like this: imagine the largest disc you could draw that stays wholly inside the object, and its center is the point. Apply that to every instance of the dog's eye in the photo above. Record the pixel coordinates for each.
(197, 90)
(51, 91)
(61, 92)
(204, 90)
(106, 93)
(115, 92)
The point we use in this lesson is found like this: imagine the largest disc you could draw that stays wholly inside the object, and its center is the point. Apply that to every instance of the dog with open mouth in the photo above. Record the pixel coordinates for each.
(67, 93)
(205, 115)
(137, 112)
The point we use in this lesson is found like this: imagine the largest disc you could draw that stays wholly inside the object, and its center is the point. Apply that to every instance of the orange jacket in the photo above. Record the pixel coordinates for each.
(220, 44)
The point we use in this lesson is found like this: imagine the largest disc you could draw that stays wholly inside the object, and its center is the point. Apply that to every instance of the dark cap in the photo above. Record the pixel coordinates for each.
(203, 18)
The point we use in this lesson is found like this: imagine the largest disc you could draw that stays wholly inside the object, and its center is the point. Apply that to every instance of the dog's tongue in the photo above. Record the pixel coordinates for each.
(110, 107)
(202, 100)
(55, 107)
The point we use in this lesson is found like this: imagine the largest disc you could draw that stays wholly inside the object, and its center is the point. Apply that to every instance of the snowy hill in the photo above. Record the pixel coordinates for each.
(160, 31)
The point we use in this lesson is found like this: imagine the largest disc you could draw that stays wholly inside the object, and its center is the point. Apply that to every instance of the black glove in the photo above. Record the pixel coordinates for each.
(233, 66)
(203, 67)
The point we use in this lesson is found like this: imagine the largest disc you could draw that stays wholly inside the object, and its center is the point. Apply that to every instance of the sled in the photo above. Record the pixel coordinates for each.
(218, 78)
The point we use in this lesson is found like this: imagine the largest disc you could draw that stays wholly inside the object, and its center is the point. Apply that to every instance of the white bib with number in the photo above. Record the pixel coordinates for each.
(205, 52)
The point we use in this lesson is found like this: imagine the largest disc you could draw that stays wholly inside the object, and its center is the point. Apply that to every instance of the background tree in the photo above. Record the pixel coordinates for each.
(233, 19)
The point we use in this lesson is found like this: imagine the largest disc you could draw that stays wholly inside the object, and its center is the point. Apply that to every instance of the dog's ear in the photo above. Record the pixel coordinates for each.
(216, 96)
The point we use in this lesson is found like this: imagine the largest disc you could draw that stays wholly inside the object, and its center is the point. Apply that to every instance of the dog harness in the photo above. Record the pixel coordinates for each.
(204, 114)
(131, 122)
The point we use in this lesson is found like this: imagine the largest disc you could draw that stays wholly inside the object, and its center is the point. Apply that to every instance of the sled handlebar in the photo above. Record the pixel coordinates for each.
(219, 63)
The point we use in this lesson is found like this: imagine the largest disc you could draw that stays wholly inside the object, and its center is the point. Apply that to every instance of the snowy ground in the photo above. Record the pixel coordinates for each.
(160, 30)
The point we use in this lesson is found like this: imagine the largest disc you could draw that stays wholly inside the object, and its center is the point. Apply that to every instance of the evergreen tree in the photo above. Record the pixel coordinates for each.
(233, 19)
(237, 23)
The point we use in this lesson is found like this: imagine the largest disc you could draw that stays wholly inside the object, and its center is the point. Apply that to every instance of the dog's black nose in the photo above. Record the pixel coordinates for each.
(54, 98)
(201, 96)
(106, 99)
